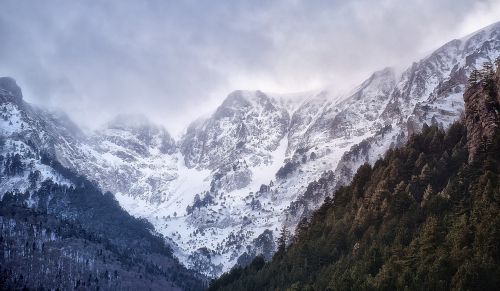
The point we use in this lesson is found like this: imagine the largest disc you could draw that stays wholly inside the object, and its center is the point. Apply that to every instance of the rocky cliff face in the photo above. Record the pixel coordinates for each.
(247, 124)
(10, 90)
(126, 149)
(482, 110)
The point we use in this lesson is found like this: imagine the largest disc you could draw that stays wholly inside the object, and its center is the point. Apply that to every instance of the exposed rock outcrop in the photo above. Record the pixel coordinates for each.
(482, 112)
(10, 88)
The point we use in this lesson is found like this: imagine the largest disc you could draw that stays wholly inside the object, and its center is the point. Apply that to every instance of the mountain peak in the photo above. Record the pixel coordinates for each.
(387, 71)
(9, 86)
(242, 97)
(384, 75)
(381, 81)
(129, 121)
(485, 31)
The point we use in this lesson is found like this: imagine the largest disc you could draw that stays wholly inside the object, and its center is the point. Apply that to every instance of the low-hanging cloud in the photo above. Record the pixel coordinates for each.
(174, 60)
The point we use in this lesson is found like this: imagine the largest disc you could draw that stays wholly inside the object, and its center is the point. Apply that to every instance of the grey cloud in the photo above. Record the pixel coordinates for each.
(174, 60)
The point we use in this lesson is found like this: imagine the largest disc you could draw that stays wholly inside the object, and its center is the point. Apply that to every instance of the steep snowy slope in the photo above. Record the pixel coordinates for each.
(246, 124)
(428, 92)
(136, 154)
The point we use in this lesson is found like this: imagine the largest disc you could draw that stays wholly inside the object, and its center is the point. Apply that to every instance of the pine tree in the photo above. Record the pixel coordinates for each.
(487, 73)
(428, 193)
(425, 174)
(301, 228)
(497, 62)
(283, 239)
(474, 77)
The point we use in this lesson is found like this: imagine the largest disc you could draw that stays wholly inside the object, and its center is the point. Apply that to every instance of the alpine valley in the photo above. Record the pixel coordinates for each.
(219, 195)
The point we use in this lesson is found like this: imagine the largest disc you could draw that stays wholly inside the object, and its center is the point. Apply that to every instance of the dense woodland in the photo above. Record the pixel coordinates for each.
(425, 217)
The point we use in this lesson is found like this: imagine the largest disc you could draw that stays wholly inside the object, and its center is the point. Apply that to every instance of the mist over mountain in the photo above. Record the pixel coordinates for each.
(173, 61)
(266, 190)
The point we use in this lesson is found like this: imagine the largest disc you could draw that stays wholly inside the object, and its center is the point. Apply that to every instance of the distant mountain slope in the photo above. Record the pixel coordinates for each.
(57, 229)
(425, 217)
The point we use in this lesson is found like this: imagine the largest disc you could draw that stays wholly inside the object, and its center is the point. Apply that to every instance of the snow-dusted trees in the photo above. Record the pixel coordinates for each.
(283, 240)
(474, 77)
(13, 165)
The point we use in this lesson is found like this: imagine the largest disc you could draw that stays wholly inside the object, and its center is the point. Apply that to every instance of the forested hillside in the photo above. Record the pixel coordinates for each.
(64, 237)
(425, 217)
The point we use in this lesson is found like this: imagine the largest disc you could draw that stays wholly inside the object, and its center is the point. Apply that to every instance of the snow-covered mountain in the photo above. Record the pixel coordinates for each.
(48, 206)
(261, 160)
(24, 131)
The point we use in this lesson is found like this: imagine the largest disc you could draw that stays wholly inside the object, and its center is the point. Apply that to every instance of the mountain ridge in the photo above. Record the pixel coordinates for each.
(424, 217)
(244, 171)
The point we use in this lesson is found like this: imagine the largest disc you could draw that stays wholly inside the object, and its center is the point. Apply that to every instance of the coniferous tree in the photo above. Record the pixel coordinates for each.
(474, 77)
(282, 240)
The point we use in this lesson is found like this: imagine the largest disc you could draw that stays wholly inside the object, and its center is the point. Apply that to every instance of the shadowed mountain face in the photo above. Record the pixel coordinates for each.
(260, 161)
(425, 217)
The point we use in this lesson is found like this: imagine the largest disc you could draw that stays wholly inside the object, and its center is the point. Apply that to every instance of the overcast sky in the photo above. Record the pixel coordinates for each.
(176, 60)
